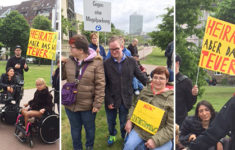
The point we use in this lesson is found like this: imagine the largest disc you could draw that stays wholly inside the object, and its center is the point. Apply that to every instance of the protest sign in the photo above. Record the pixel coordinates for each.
(42, 44)
(218, 47)
(147, 116)
(97, 16)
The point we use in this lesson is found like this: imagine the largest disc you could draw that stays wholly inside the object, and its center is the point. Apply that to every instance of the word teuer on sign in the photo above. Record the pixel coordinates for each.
(97, 16)
(42, 44)
(218, 47)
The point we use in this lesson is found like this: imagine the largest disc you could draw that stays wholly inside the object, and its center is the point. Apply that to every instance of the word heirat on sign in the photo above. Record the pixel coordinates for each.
(218, 47)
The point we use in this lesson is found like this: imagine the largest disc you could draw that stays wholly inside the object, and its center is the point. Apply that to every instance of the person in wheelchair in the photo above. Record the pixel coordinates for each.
(8, 81)
(41, 102)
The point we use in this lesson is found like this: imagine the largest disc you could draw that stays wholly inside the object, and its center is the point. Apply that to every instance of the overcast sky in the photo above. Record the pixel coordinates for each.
(122, 9)
(10, 2)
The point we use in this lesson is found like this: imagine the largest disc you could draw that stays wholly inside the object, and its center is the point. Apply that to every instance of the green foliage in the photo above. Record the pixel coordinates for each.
(226, 11)
(14, 30)
(68, 25)
(187, 19)
(42, 23)
(165, 34)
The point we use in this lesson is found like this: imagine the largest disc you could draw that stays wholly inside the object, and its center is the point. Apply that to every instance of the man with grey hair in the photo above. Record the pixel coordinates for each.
(133, 47)
(119, 72)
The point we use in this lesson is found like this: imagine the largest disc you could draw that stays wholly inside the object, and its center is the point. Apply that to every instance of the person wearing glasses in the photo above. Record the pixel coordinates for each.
(156, 93)
(119, 73)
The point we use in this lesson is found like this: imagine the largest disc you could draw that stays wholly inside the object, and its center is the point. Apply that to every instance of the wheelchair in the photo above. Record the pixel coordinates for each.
(10, 103)
(45, 127)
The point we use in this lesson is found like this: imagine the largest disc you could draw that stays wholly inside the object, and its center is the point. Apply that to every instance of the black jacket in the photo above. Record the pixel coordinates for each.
(119, 88)
(184, 98)
(42, 99)
(191, 125)
(220, 127)
(133, 49)
(4, 82)
(168, 53)
(13, 61)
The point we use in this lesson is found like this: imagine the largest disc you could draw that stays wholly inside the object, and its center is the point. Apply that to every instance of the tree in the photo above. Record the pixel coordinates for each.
(42, 23)
(14, 30)
(226, 11)
(187, 20)
(165, 34)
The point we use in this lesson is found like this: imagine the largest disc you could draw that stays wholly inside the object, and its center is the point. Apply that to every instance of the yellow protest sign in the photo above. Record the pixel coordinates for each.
(147, 116)
(218, 47)
(42, 44)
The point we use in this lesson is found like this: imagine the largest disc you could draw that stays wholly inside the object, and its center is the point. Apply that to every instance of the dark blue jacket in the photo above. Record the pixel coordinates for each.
(102, 51)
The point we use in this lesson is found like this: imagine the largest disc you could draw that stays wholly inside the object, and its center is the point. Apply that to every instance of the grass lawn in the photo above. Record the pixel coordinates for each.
(216, 95)
(155, 58)
(101, 135)
(35, 71)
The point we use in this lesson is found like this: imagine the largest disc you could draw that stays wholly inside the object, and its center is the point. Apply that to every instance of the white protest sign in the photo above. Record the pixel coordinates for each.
(97, 15)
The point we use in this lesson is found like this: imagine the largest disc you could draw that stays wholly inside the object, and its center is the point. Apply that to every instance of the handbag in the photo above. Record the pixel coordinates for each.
(69, 90)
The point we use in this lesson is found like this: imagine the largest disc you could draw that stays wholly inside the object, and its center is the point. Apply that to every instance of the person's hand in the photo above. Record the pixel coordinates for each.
(42, 110)
(111, 106)
(26, 105)
(95, 110)
(192, 137)
(144, 70)
(150, 144)
(195, 90)
(10, 89)
(17, 66)
(128, 126)
(219, 146)
(63, 59)
(97, 50)
(25, 66)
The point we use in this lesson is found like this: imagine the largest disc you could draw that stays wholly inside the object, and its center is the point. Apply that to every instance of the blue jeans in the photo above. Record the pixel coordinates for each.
(111, 119)
(137, 85)
(77, 119)
(134, 142)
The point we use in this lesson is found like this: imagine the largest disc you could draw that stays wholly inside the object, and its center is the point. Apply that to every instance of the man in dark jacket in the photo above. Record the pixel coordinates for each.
(223, 123)
(186, 95)
(133, 47)
(119, 72)
(18, 63)
(168, 54)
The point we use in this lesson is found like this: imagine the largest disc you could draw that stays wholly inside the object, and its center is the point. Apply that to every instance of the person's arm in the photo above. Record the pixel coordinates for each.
(108, 98)
(103, 53)
(190, 99)
(99, 85)
(139, 75)
(219, 128)
(108, 55)
(2, 84)
(185, 131)
(166, 133)
(64, 75)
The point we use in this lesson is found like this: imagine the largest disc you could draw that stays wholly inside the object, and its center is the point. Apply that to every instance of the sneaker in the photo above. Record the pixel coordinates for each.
(89, 148)
(137, 92)
(111, 140)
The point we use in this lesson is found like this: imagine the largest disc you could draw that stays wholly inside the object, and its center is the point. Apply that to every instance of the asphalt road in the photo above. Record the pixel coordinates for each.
(8, 141)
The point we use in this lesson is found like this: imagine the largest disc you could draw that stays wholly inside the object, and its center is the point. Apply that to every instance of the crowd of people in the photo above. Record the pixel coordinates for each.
(120, 81)
(206, 129)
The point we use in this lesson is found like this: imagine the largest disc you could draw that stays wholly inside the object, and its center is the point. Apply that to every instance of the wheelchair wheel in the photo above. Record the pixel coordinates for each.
(31, 144)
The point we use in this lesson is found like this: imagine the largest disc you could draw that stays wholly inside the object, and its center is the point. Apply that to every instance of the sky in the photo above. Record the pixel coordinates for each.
(122, 9)
(10, 2)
